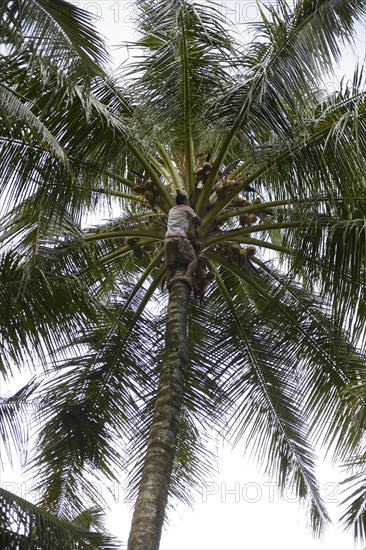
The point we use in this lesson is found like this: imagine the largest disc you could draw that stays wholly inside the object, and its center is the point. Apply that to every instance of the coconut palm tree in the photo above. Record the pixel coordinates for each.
(264, 345)
(48, 53)
(44, 47)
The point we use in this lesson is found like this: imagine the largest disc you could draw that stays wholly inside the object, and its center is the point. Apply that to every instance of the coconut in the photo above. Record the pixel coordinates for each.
(238, 201)
(252, 218)
(148, 184)
(243, 220)
(149, 196)
(220, 191)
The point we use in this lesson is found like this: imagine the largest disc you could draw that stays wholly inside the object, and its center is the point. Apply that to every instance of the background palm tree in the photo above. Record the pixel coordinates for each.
(274, 166)
(48, 57)
(47, 49)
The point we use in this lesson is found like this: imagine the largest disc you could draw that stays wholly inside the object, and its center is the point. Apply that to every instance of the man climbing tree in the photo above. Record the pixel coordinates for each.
(178, 249)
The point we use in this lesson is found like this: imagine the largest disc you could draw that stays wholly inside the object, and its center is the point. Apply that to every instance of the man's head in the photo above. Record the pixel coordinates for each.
(181, 199)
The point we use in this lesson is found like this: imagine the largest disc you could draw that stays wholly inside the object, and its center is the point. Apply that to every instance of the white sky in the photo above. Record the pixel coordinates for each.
(239, 509)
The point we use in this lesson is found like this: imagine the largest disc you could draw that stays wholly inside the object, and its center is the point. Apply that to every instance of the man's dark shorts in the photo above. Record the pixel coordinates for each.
(178, 245)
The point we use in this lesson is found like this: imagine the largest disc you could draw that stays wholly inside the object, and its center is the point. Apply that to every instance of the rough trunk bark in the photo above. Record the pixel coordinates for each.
(149, 512)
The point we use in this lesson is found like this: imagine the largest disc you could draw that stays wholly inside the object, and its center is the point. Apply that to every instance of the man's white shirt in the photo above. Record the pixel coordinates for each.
(178, 220)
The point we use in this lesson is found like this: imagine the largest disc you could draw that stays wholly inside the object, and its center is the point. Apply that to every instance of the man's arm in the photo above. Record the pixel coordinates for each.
(196, 221)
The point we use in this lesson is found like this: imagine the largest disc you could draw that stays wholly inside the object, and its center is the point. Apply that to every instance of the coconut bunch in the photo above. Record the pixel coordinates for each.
(251, 217)
(238, 254)
(224, 186)
(201, 173)
(200, 178)
(148, 190)
(201, 279)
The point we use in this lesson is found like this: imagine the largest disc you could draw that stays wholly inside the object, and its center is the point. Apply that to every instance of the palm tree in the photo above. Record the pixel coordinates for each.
(48, 54)
(42, 45)
(274, 167)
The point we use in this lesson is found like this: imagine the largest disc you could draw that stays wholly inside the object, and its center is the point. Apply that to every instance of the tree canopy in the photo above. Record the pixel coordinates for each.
(272, 162)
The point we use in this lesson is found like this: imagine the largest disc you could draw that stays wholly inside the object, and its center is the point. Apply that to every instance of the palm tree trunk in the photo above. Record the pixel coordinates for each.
(149, 512)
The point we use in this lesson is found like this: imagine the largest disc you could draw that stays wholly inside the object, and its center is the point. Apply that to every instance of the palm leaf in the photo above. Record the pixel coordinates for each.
(14, 426)
(24, 525)
(58, 28)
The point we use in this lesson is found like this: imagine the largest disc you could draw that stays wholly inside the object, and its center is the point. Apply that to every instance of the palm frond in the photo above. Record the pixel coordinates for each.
(95, 400)
(24, 525)
(38, 311)
(264, 409)
(58, 29)
(181, 73)
(35, 144)
(15, 411)
(286, 62)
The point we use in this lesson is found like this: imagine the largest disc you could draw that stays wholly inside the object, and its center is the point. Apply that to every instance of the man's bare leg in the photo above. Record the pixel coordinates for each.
(169, 274)
(191, 267)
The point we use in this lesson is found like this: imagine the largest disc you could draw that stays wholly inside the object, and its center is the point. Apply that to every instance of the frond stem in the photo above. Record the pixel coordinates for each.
(123, 250)
(152, 235)
(167, 198)
(177, 180)
(189, 149)
(154, 262)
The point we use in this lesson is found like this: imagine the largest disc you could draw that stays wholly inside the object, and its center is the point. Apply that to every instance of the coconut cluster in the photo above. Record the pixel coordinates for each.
(236, 253)
(201, 279)
(202, 172)
(200, 178)
(223, 187)
(148, 190)
(250, 218)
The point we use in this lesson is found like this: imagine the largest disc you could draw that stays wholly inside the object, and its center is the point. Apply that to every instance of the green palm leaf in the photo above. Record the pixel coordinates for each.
(24, 525)
(59, 29)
